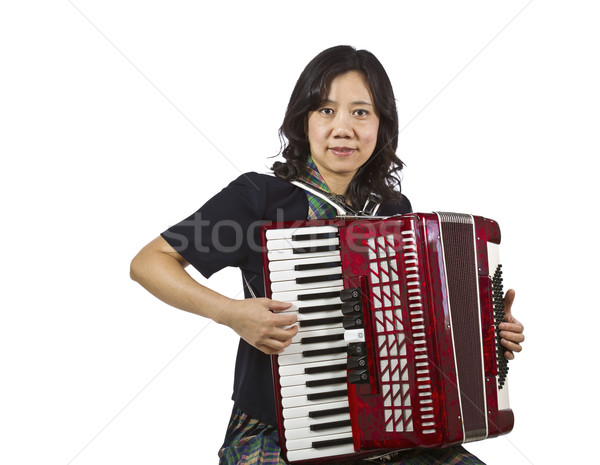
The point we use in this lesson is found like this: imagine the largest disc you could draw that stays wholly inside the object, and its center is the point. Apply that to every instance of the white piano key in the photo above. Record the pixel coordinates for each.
(303, 329)
(298, 304)
(298, 369)
(302, 379)
(306, 421)
(311, 454)
(292, 359)
(302, 390)
(319, 315)
(305, 410)
(306, 443)
(289, 265)
(290, 275)
(306, 433)
(299, 347)
(282, 244)
(288, 254)
(284, 233)
(290, 296)
(291, 286)
(317, 333)
(302, 401)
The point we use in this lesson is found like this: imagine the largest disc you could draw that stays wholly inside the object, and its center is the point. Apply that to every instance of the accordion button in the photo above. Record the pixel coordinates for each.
(357, 362)
(350, 294)
(353, 322)
(358, 376)
(348, 308)
(357, 349)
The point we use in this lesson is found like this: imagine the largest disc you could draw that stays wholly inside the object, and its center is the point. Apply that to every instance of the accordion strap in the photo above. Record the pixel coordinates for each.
(250, 290)
(339, 203)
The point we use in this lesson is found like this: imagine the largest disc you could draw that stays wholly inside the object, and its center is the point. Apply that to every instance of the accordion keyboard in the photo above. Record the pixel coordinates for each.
(305, 270)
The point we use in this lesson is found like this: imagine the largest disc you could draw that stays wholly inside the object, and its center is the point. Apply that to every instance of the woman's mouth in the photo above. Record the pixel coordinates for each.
(342, 151)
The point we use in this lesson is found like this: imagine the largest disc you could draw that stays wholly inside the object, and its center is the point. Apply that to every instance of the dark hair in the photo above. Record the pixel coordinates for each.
(380, 176)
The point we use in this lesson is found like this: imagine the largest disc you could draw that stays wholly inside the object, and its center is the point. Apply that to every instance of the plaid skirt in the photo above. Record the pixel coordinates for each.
(249, 442)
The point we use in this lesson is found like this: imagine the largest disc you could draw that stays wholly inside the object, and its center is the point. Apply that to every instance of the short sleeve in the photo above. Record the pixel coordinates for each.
(400, 207)
(225, 230)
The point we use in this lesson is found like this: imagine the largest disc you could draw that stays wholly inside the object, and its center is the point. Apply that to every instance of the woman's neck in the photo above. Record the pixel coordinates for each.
(337, 183)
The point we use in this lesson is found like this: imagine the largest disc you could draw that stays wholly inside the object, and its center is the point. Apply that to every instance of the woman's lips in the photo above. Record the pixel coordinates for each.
(342, 151)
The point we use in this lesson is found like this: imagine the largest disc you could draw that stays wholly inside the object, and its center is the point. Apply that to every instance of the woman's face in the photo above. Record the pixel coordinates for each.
(342, 132)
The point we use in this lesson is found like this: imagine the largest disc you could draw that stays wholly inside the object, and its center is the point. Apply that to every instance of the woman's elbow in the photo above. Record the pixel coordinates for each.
(157, 255)
(134, 268)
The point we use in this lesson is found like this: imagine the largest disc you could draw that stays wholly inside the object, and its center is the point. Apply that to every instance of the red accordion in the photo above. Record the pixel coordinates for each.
(398, 345)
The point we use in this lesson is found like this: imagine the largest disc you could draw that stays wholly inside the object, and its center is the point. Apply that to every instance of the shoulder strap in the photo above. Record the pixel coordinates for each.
(338, 203)
(369, 209)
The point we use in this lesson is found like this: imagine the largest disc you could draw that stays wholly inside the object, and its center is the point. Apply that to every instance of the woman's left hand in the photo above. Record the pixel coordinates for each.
(511, 331)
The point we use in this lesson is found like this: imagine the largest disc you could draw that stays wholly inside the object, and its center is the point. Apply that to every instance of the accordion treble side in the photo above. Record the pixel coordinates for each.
(398, 344)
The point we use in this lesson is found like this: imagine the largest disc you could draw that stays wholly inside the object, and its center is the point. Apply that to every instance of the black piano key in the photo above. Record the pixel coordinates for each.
(318, 279)
(328, 351)
(321, 321)
(319, 295)
(317, 266)
(327, 395)
(325, 382)
(330, 425)
(316, 339)
(328, 412)
(319, 308)
(313, 237)
(324, 369)
(331, 443)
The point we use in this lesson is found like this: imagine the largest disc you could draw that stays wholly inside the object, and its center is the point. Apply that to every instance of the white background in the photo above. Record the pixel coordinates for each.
(119, 118)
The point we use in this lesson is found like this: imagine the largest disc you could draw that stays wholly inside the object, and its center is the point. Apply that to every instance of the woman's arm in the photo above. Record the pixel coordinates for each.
(161, 271)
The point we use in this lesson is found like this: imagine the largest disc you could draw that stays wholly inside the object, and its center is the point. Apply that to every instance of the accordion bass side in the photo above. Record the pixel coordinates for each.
(398, 346)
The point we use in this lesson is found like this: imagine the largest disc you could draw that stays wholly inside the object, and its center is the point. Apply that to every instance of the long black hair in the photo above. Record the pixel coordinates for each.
(380, 174)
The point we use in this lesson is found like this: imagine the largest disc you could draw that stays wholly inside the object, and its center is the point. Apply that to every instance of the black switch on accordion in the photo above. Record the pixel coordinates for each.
(347, 295)
(353, 322)
(358, 368)
(358, 376)
(357, 349)
(357, 362)
(352, 308)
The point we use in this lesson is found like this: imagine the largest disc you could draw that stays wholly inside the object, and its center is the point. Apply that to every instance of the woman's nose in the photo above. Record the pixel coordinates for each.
(342, 126)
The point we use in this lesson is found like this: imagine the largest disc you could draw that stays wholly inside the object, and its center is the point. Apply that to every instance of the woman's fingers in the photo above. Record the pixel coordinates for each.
(511, 330)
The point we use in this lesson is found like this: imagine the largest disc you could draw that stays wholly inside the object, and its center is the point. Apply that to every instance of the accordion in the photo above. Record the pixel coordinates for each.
(398, 345)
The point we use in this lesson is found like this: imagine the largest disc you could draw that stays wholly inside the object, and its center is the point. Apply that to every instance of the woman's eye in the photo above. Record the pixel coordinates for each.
(361, 112)
(326, 111)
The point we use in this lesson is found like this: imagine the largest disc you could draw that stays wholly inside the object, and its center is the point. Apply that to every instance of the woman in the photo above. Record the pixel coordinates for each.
(340, 133)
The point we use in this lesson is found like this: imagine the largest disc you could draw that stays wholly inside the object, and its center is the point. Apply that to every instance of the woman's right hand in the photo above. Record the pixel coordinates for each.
(260, 323)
